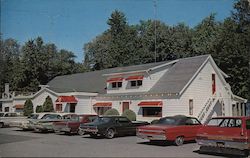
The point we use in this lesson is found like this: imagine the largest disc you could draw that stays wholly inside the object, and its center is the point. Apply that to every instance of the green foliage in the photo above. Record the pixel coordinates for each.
(28, 108)
(39, 109)
(111, 112)
(129, 114)
(48, 105)
(25, 67)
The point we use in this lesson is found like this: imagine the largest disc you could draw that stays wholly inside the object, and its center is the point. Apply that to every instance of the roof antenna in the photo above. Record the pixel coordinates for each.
(155, 7)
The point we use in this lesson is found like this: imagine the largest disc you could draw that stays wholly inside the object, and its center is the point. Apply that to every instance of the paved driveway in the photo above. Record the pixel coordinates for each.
(15, 143)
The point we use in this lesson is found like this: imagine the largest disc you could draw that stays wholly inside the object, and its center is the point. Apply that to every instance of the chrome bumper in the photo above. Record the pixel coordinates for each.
(227, 144)
(151, 136)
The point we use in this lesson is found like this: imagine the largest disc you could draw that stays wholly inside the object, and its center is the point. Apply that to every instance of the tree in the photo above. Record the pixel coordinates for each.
(39, 109)
(48, 105)
(28, 108)
(129, 114)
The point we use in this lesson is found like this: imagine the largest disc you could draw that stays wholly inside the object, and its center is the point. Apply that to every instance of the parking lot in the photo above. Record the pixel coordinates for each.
(17, 143)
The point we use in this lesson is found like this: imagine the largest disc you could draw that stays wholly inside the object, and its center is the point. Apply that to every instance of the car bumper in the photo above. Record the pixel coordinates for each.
(43, 127)
(151, 136)
(225, 144)
(61, 129)
(88, 130)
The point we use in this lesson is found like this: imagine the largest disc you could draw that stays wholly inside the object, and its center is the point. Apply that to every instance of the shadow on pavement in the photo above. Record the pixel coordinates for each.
(218, 154)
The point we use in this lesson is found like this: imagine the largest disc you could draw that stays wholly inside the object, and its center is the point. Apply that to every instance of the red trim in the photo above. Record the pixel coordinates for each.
(67, 99)
(118, 79)
(19, 106)
(103, 104)
(134, 78)
(150, 104)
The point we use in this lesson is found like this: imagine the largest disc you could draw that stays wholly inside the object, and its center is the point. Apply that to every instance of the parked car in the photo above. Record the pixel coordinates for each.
(7, 119)
(109, 126)
(46, 122)
(177, 128)
(225, 135)
(72, 124)
(26, 124)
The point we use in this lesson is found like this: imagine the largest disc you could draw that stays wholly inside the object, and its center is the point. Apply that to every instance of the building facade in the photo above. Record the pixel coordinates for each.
(192, 86)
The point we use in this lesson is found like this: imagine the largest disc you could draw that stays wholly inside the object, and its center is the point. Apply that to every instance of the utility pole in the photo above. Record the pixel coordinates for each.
(155, 7)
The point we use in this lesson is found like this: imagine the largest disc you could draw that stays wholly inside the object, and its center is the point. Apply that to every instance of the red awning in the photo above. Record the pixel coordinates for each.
(118, 79)
(150, 104)
(67, 99)
(19, 106)
(134, 78)
(103, 104)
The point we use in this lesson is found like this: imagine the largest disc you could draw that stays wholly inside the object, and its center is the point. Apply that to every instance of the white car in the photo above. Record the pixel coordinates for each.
(8, 119)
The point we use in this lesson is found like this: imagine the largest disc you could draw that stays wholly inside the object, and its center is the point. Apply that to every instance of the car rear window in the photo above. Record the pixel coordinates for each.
(225, 122)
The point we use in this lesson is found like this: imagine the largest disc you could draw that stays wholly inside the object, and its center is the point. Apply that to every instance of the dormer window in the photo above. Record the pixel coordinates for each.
(135, 81)
(116, 84)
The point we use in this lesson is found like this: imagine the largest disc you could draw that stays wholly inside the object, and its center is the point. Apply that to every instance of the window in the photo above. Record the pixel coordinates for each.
(116, 84)
(152, 111)
(101, 110)
(123, 120)
(191, 106)
(136, 83)
(192, 121)
(248, 124)
(214, 122)
(6, 109)
(59, 107)
(213, 84)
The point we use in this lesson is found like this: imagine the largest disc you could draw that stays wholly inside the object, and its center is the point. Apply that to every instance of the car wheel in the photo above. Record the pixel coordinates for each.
(179, 141)
(81, 132)
(1, 125)
(110, 133)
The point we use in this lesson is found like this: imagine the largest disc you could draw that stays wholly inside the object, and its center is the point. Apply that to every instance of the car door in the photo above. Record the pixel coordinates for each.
(124, 125)
(192, 125)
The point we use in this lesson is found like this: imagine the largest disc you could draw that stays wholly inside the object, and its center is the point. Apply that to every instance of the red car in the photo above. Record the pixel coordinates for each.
(71, 124)
(229, 135)
(177, 128)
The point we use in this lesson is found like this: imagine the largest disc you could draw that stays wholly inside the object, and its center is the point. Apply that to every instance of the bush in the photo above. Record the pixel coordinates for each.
(39, 109)
(48, 105)
(154, 121)
(111, 112)
(28, 108)
(129, 114)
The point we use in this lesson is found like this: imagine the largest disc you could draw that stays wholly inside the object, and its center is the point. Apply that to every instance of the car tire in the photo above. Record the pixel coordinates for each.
(1, 125)
(110, 133)
(93, 135)
(80, 132)
(179, 141)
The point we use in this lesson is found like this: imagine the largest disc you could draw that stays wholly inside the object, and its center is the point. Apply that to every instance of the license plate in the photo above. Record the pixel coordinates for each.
(220, 144)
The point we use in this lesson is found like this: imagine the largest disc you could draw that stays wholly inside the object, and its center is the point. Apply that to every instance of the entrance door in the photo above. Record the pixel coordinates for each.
(125, 105)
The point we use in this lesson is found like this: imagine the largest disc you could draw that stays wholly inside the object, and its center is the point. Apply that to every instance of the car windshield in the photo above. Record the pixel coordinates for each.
(102, 119)
(34, 116)
(168, 121)
(51, 116)
(215, 122)
(71, 117)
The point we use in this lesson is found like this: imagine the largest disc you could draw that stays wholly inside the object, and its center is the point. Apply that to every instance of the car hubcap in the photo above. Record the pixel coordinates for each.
(179, 141)
(110, 133)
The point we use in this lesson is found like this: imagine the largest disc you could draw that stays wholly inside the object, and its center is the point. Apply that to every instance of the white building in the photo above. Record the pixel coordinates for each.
(190, 86)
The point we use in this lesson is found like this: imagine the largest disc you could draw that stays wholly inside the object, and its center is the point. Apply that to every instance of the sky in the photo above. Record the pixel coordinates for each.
(71, 23)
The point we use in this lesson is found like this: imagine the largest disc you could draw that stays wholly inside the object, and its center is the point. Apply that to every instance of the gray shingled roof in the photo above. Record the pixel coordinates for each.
(93, 81)
(172, 81)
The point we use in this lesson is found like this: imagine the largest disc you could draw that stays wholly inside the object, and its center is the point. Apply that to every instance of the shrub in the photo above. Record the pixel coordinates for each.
(48, 105)
(154, 121)
(111, 112)
(28, 108)
(39, 109)
(129, 114)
